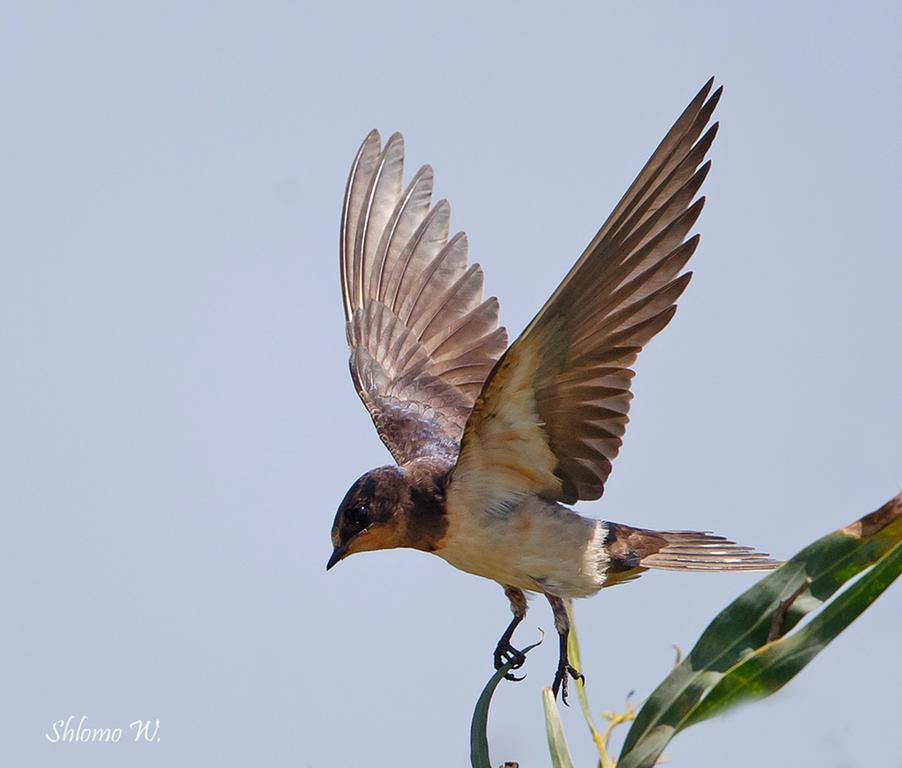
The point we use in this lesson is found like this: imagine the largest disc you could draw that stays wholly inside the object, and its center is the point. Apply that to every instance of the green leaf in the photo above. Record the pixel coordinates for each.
(774, 665)
(777, 602)
(557, 742)
(479, 741)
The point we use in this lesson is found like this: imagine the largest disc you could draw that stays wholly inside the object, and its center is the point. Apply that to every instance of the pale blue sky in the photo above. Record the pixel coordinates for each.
(179, 426)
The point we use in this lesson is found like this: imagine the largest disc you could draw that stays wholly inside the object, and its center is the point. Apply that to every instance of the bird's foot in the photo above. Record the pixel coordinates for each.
(505, 653)
(565, 671)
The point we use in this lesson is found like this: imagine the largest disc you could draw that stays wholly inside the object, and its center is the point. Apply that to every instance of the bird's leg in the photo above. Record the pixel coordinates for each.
(564, 669)
(504, 651)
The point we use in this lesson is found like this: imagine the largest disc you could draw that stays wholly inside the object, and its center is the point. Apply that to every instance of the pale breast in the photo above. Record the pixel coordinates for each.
(538, 546)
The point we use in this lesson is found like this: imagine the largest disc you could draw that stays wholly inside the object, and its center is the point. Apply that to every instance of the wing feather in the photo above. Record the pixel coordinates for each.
(422, 339)
(550, 419)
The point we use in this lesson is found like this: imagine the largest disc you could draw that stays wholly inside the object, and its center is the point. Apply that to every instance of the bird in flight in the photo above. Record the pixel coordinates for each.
(492, 442)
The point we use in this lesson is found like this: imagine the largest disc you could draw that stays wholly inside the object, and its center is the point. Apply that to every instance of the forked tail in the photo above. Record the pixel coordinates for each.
(631, 548)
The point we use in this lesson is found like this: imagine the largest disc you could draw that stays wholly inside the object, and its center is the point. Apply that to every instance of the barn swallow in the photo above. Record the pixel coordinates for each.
(492, 442)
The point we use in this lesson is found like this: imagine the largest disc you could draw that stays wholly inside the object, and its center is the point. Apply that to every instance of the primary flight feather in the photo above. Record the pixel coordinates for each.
(492, 441)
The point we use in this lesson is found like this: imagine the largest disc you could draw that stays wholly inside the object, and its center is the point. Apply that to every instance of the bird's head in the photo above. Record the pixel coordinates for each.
(373, 514)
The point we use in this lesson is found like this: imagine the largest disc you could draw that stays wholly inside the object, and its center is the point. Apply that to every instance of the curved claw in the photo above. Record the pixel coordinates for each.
(510, 655)
(505, 653)
(565, 671)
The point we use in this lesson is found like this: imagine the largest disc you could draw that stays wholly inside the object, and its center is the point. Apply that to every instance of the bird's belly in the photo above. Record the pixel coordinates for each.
(538, 546)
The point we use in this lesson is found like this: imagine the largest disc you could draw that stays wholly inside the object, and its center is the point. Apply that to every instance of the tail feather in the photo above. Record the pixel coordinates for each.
(682, 551)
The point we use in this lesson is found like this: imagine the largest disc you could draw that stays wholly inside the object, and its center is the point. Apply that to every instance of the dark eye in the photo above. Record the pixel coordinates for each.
(357, 517)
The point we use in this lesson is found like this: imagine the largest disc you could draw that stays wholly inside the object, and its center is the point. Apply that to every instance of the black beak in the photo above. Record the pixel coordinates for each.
(337, 554)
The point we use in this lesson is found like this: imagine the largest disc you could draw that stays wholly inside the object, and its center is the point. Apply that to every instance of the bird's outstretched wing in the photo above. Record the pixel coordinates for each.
(550, 419)
(422, 339)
